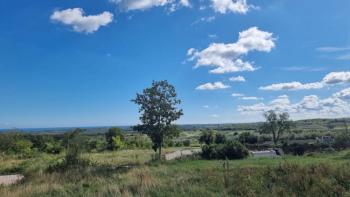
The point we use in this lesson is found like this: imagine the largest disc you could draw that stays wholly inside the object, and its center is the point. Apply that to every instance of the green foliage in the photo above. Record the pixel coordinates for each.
(247, 137)
(276, 124)
(74, 147)
(138, 141)
(111, 136)
(187, 143)
(229, 150)
(117, 143)
(220, 138)
(207, 137)
(158, 108)
(342, 140)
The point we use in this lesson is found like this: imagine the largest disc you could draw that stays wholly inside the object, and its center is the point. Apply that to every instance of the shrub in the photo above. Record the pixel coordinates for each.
(207, 137)
(228, 150)
(187, 143)
(342, 141)
(247, 137)
(220, 138)
(110, 137)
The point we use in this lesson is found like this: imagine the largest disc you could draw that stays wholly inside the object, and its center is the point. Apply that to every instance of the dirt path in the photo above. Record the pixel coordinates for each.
(10, 179)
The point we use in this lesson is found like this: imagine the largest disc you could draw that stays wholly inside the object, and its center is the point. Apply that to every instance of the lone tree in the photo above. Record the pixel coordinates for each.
(276, 124)
(158, 108)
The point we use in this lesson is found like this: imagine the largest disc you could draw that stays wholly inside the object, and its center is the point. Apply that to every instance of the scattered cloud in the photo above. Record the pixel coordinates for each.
(234, 6)
(332, 49)
(292, 86)
(243, 97)
(310, 106)
(237, 79)
(213, 36)
(330, 79)
(212, 86)
(228, 57)
(206, 106)
(237, 94)
(215, 115)
(131, 5)
(251, 98)
(343, 57)
(76, 18)
(185, 3)
(303, 68)
(206, 19)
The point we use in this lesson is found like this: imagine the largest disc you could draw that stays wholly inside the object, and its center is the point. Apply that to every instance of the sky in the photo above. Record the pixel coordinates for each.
(79, 63)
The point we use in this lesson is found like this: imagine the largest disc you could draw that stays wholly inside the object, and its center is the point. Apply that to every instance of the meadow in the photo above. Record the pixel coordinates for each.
(133, 173)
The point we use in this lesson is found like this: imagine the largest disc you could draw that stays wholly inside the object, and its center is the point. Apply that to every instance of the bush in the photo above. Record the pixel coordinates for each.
(187, 143)
(342, 141)
(228, 150)
(248, 138)
(207, 137)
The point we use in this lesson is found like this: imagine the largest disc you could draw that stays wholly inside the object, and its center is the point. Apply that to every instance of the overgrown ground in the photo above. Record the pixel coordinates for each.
(130, 173)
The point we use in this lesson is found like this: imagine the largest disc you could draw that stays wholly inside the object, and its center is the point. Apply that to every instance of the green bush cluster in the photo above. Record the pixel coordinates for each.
(218, 147)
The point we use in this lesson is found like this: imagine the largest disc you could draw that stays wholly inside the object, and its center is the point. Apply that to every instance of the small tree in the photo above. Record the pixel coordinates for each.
(158, 108)
(276, 124)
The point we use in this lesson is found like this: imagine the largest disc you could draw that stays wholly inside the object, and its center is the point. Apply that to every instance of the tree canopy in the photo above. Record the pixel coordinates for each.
(158, 106)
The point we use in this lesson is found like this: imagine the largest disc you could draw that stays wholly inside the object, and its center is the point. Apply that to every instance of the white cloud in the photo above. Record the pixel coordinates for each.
(228, 57)
(206, 106)
(212, 86)
(75, 17)
(130, 5)
(237, 94)
(343, 57)
(251, 98)
(330, 79)
(214, 115)
(337, 77)
(309, 107)
(292, 86)
(332, 49)
(344, 94)
(185, 3)
(237, 79)
(235, 6)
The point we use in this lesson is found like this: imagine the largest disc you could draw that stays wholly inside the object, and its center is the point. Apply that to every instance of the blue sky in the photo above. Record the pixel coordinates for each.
(79, 63)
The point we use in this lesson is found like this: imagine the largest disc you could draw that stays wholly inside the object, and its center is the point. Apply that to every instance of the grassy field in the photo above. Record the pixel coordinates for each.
(130, 173)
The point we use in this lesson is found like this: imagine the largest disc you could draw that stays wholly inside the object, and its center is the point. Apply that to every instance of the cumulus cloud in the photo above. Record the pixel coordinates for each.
(235, 6)
(337, 77)
(310, 106)
(76, 18)
(228, 57)
(237, 79)
(344, 94)
(212, 86)
(330, 79)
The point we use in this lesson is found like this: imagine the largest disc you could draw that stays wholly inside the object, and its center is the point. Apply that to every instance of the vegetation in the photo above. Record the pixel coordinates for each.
(276, 124)
(121, 163)
(158, 108)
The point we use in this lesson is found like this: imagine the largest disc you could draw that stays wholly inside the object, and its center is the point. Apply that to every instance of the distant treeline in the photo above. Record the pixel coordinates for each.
(302, 125)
